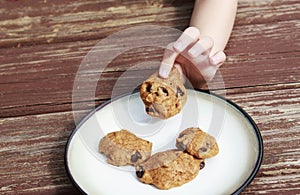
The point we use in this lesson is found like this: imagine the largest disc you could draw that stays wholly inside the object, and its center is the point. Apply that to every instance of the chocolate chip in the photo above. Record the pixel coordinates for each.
(140, 171)
(165, 91)
(181, 135)
(135, 157)
(202, 165)
(208, 145)
(179, 92)
(203, 149)
(181, 146)
(148, 87)
(149, 109)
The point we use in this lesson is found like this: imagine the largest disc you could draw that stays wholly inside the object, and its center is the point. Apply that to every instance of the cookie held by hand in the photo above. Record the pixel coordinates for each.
(162, 97)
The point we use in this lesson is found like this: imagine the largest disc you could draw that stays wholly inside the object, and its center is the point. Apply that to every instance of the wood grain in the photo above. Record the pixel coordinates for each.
(43, 43)
(279, 122)
(51, 69)
(32, 154)
(31, 22)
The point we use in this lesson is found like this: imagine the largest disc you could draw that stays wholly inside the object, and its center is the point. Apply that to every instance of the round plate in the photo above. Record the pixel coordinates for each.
(239, 140)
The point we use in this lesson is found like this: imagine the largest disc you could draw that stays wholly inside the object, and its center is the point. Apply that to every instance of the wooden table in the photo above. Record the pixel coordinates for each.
(42, 44)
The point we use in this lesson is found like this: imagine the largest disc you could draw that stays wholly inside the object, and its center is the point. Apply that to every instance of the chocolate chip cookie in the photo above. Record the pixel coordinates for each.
(163, 98)
(169, 169)
(124, 148)
(197, 143)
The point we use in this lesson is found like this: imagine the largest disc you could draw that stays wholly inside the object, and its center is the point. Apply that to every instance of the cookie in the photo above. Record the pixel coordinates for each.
(163, 98)
(197, 143)
(169, 169)
(124, 148)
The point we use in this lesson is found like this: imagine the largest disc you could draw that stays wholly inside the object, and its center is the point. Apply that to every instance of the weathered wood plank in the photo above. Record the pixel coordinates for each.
(32, 149)
(44, 74)
(267, 11)
(35, 22)
(277, 114)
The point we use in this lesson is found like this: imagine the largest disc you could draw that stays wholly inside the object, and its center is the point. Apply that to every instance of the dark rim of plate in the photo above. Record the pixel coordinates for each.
(247, 116)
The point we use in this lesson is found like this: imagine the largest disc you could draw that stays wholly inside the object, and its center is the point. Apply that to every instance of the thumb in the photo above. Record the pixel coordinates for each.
(168, 60)
(182, 77)
(164, 70)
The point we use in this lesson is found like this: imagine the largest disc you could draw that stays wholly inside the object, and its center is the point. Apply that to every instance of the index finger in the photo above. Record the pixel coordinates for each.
(168, 61)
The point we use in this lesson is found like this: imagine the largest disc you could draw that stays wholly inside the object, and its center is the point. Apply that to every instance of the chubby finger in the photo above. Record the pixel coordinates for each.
(188, 37)
(201, 47)
(167, 62)
(218, 59)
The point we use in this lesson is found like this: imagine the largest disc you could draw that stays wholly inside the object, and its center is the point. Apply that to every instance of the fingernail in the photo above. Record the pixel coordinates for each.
(164, 70)
(180, 71)
(178, 46)
(217, 59)
(214, 60)
(163, 73)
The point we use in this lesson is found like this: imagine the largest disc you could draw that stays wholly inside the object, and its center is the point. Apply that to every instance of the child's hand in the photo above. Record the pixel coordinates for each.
(191, 55)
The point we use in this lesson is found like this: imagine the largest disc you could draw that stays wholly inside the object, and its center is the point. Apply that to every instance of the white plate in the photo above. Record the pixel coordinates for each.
(239, 140)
